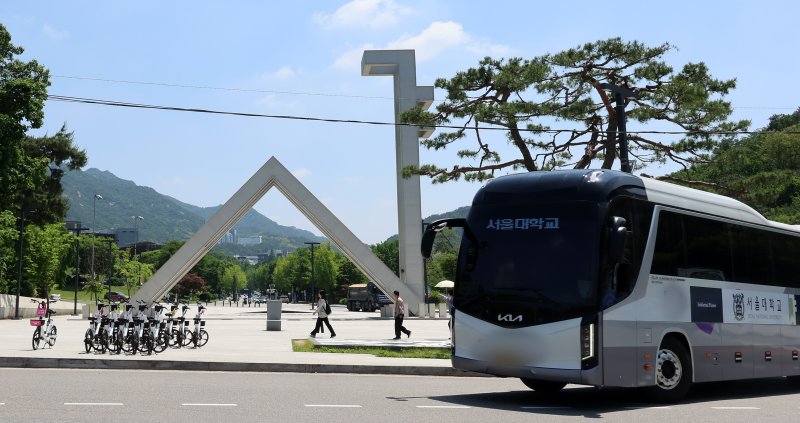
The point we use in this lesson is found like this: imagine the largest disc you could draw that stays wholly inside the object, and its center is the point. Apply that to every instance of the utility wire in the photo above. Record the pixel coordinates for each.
(206, 87)
(70, 99)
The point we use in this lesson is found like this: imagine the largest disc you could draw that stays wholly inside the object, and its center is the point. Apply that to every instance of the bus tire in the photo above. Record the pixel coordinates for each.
(543, 386)
(673, 372)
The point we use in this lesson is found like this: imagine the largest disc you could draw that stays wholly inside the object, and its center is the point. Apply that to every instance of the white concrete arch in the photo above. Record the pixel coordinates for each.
(273, 174)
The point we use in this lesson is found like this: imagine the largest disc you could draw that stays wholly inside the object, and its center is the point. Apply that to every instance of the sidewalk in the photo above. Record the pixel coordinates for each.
(239, 341)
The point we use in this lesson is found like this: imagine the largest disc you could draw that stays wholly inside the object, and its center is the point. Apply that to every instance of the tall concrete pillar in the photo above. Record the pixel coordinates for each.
(401, 65)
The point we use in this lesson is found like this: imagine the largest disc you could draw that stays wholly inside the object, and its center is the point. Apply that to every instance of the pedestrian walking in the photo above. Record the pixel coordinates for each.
(322, 315)
(399, 314)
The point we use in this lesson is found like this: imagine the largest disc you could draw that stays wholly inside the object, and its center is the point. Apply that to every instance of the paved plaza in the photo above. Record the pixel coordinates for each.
(239, 341)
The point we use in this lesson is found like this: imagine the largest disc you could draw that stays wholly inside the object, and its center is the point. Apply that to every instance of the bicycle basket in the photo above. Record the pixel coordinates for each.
(36, 322)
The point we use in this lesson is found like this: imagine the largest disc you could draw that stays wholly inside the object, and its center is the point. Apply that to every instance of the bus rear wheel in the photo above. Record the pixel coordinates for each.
(543, 386)
(673, 372)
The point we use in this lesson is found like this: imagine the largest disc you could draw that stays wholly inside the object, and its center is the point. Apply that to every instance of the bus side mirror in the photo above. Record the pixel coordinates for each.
(617, 239)
(430, 233)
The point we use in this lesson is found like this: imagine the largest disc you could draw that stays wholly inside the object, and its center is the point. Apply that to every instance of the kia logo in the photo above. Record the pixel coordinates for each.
(509, 318)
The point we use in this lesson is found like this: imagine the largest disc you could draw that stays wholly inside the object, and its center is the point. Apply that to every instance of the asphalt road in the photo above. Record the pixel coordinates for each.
(55, 395)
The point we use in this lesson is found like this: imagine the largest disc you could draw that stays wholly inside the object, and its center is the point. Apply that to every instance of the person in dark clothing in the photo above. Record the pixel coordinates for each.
(399, 313)
(322, 316)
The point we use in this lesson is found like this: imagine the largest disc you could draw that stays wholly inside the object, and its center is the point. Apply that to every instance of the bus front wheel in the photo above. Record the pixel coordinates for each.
(673, 372)
(543, 386)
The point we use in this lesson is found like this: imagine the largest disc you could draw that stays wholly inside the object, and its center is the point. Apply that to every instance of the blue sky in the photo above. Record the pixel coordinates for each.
(303, 58)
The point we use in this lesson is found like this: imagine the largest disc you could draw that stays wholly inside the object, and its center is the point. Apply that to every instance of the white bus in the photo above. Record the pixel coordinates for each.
(607, 279)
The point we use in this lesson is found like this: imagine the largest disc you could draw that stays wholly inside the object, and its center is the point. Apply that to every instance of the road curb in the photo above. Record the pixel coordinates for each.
(73, 363)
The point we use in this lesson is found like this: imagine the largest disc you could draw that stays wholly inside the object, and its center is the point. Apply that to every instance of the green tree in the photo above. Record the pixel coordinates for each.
(134, 272)
(389, 253)
(30, 167)
(522, 97)
(292, 271)
(348, 273)
(47, 246)
(233, 279)
(325, 270)
(762, 170)
(259, 277)
(8, 234)
(94, 288)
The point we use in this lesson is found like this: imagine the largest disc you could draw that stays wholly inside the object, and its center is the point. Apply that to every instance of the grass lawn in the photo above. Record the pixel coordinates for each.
(85, 297)
(304, 345)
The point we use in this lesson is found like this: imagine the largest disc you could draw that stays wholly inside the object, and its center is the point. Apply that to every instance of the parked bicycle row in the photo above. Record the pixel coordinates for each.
(123, 328)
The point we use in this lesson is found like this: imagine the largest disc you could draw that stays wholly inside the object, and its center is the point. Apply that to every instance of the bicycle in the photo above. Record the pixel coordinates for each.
(45, 331)
(199, 335)
(93, 338)
(111, 331)
(143, 336)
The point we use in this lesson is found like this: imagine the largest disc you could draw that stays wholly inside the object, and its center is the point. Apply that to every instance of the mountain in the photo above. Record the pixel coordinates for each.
(165, 218)
(459, 212)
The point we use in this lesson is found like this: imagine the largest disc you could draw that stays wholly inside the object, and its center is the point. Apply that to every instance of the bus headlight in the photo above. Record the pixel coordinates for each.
(588, 345)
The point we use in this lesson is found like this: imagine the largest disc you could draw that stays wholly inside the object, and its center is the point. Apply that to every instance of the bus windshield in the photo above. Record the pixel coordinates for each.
(536, 259)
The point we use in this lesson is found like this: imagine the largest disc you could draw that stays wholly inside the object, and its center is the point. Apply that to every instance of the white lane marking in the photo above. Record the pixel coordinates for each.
(736, 408)
(93, 403)
(208, 405)
(443, 406)
(334, 405)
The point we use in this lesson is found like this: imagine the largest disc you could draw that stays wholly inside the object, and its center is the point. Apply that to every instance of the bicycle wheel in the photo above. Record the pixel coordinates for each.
(53, 335)
(112, 343)
(126, 343)
(203, 338)
(187, 337)
(37, 338)
(88, 340)
(161, 343)
(99, 342)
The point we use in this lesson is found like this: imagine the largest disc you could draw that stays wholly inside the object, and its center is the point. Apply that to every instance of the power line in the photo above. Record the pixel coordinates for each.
(205, 87)
(305, 93)
(115, 103)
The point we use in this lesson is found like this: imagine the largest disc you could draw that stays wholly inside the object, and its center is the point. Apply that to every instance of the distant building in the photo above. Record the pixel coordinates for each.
(247, 259)
(249, 240)
(126, 236)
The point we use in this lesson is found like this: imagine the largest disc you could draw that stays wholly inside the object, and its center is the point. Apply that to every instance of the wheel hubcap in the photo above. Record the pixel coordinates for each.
(668, 369)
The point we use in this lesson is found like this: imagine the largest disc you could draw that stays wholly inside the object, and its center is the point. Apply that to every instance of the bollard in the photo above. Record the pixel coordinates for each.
(274, 315)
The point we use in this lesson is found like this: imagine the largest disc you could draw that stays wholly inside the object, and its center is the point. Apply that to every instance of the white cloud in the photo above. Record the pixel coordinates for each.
(431, 42)
(53, 33)
(363, 13)
(436, 38)
(301, 173)
(285, 72)
(352, 59)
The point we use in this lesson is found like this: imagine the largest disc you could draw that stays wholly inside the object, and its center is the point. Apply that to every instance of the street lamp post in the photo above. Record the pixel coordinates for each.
(313, 298)
(94, 229)
(136, 220)
(76, 228)
(110, 263)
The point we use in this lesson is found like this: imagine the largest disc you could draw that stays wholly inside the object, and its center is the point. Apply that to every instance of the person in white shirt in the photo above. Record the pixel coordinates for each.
(399, 313)
(322, 316)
